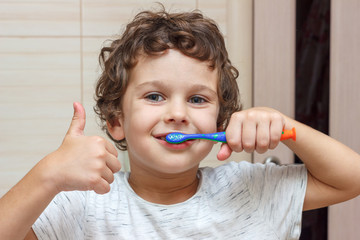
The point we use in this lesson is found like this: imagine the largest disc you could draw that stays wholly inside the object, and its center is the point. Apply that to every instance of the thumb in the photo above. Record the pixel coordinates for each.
(77, 125)
(224, 152)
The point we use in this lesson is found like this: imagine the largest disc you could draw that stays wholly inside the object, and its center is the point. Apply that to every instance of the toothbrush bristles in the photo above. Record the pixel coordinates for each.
(175, 138)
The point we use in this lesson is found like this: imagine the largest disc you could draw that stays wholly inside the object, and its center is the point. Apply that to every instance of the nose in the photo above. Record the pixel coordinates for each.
(177, 113)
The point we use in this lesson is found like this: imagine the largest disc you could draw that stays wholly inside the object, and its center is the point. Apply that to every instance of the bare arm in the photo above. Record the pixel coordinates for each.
(80, 163)
(333, 168)
(24, 203)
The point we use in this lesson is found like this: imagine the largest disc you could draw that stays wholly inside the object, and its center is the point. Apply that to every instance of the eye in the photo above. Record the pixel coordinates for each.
(197, 100)
(154, 97)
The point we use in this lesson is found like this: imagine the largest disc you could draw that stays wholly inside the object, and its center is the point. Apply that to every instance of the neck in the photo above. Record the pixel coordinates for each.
(164, 188)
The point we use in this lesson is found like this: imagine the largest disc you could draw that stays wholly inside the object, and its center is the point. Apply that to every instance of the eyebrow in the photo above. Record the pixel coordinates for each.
(199, 87)
(163, 84)
(156, 83)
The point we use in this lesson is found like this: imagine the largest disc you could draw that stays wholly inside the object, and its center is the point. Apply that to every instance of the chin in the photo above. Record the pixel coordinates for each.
(177, 166)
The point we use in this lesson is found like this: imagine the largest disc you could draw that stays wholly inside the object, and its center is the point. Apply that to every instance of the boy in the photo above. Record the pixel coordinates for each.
(167, 73)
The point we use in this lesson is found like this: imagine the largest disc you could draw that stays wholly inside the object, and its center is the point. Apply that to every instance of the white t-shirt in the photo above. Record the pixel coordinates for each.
(233, 201)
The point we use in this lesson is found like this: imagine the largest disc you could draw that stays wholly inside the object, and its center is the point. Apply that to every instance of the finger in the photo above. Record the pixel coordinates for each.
(249, 136)
(110, 148)
(113, 164)
(224, 152)
(276, 128)
(262, 137)
(112, 161)
(78, 121)
(107, 152)
(102, 187)
(234, 133)
(104, 145)
(97, 183)
(108, 175)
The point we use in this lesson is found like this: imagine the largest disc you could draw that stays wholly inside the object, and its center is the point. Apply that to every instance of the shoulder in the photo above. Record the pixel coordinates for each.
(74, 199)
(243, 170)
(79, 201)
(256, 176)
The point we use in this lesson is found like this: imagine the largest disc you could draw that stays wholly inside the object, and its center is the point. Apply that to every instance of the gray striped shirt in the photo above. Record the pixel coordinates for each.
(233, 201)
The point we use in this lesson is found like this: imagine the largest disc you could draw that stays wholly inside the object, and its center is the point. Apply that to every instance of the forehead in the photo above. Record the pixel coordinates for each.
(172, 65)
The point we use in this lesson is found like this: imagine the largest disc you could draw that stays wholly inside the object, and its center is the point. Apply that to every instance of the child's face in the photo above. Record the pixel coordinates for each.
(168, 93)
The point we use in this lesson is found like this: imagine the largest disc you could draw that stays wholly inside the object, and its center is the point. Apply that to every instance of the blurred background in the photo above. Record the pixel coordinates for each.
(298, 56)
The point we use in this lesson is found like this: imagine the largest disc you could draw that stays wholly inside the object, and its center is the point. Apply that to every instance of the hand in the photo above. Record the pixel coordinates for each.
(82, 162)
(255, 129)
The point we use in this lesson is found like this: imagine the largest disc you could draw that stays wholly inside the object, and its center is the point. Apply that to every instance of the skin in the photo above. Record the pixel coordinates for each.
(333, 169)
(168, 93)
(170, 101)
(80, 163)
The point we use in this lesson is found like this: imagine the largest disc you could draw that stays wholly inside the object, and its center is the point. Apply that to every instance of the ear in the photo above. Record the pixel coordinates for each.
(116, 129)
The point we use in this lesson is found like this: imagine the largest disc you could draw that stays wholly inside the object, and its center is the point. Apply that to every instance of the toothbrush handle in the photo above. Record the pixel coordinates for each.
(287, 134)
(217, 137)
(221, 137)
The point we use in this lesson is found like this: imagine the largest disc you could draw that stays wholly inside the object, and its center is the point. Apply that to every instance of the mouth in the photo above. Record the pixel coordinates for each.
(162, 139)
(161, 136)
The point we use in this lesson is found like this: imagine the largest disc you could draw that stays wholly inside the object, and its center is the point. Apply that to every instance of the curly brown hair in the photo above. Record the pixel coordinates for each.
(151, 33)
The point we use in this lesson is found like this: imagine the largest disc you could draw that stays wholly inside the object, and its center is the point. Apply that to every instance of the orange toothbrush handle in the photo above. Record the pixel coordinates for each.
(287, 134)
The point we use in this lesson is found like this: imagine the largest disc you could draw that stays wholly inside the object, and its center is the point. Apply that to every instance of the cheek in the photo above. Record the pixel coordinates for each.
(206, 121)
(139, 120)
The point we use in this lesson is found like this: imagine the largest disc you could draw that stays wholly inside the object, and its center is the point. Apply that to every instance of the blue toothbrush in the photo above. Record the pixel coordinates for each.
(177, 137)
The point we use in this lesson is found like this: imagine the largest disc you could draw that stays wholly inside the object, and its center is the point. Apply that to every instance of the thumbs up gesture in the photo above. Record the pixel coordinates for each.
(82, 162)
